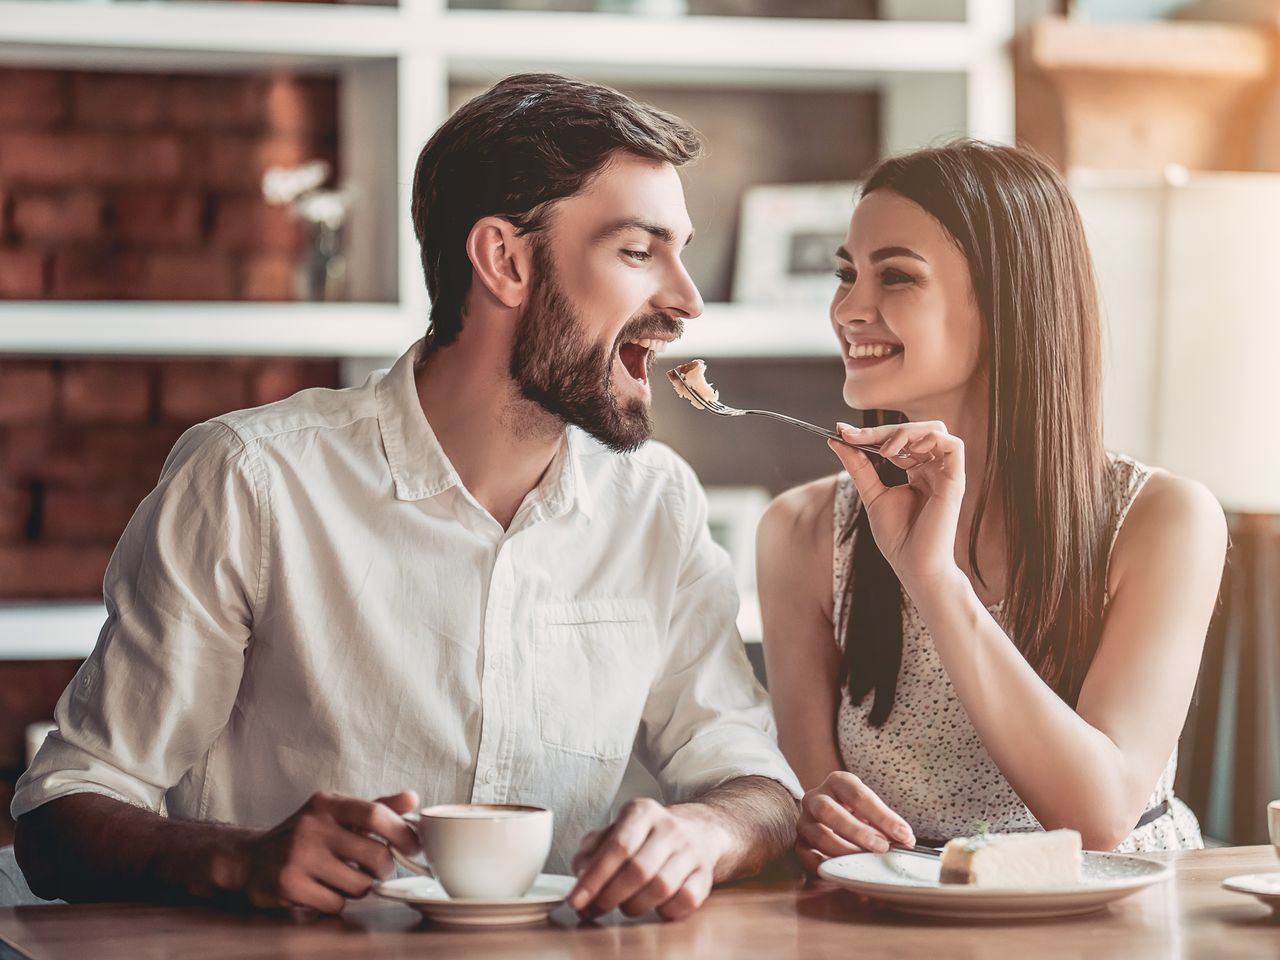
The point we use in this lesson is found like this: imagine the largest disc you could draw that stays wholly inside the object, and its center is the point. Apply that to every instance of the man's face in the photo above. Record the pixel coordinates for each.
(609, 292)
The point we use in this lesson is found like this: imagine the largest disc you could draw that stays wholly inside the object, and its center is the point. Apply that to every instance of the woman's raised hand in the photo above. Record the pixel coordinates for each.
(843, 815)
(914, 524)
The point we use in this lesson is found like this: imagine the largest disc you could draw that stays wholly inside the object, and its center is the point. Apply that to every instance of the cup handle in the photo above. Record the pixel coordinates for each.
(413, 866)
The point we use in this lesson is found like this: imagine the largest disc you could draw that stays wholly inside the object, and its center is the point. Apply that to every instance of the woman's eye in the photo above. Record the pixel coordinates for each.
(892, 278)
(640, 255)
(846, 276)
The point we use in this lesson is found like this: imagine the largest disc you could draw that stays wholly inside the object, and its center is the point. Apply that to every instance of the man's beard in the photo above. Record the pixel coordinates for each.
(558, 368)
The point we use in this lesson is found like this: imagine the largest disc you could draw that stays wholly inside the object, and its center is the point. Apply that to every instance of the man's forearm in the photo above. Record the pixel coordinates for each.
(87, 847)
(757, 817)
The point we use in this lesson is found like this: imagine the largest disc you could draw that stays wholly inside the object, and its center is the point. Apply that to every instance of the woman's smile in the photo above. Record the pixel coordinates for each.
(862, 354)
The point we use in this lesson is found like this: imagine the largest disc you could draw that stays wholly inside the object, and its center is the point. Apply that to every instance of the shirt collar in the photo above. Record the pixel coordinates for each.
(418, 462)
(420, 467)
(564, 487)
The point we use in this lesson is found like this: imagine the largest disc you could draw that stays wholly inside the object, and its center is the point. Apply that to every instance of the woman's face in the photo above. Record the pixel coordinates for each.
(910, 331)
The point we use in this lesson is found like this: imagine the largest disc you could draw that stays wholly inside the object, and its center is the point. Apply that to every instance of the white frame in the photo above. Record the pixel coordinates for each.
(772, 216)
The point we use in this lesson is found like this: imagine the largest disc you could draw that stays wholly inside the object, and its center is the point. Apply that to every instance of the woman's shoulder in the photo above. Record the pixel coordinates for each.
(794, 545)
(1167, 498)
(794, 541)
(1167, 509)
(802, 514)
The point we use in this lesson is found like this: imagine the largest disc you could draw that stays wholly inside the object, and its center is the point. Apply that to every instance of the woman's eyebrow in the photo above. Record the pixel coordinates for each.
(884, 253)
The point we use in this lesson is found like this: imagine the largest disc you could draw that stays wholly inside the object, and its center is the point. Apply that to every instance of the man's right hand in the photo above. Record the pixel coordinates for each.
(334, 847)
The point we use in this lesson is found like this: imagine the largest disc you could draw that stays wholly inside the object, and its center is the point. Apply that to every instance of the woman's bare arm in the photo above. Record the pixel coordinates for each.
(794, 564)
(795, 554)
(1093, 768)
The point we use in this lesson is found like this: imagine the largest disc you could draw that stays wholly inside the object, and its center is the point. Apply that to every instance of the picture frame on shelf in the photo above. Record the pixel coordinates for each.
(787, 238)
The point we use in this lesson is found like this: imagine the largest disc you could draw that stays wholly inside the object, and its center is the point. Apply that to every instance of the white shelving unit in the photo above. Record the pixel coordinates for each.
(49, 631)
(396, 63)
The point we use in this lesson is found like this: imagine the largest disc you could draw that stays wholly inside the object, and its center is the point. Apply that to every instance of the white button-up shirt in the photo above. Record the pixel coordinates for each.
(310, 600)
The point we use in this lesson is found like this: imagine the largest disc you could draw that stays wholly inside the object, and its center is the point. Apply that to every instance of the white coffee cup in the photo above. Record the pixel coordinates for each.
(485, 851)
(1273, 823)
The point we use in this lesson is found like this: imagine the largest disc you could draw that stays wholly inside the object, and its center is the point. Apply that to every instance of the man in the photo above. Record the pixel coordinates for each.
(466, 576)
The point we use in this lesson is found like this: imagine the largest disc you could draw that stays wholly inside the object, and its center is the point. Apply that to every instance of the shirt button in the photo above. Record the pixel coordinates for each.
(491, 775)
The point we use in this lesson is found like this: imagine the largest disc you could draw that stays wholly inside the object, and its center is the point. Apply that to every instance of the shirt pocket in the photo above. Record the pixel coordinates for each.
(594, 662)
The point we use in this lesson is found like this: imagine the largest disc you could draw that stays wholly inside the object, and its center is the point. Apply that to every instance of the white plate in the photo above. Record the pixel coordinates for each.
(909, 882)
(1264, 886)
(426, 895)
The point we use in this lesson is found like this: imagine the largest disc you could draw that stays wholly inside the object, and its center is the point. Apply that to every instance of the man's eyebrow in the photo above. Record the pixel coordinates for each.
(884, 253)
(656, 230)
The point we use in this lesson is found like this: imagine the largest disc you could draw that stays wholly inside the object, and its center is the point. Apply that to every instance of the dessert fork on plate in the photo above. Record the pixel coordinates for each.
(713, 405)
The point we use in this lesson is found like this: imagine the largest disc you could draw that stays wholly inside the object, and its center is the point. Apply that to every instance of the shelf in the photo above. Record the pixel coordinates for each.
(752, 330)
(148, 328)
(936, 79)
(195, 36)
(52, 631)
(704, 51)
(716, 51)
(209, 329)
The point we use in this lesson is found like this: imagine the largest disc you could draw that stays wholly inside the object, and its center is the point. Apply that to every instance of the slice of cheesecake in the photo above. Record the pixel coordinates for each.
(1041, 859)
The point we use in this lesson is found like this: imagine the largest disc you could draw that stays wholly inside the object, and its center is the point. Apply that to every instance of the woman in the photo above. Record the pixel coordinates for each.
(1011, 636)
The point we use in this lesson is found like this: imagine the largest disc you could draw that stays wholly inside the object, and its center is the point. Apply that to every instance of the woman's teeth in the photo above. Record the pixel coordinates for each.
(861, 350)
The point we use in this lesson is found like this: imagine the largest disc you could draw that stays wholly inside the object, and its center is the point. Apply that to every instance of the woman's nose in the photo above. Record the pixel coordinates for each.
(848, 309)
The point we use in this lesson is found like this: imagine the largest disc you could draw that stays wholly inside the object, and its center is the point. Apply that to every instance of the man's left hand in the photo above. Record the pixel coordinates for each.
(652, 858)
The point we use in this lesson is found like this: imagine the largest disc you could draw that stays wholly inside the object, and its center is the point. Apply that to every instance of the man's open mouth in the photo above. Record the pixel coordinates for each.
(638, 356)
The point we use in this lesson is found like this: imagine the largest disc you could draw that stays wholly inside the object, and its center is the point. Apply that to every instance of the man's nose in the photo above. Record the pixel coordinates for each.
(682, 295)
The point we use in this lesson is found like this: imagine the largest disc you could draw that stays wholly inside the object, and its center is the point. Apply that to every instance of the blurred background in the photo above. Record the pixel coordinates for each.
(203, 206)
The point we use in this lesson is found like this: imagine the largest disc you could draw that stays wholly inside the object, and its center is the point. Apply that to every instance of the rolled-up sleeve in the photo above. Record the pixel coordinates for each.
(707, 719)
(162, 679)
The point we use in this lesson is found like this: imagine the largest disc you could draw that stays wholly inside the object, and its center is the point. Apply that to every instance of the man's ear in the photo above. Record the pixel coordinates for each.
(501, 259)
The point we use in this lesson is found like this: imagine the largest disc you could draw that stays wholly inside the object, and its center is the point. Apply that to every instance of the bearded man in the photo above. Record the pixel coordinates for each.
(468, 580)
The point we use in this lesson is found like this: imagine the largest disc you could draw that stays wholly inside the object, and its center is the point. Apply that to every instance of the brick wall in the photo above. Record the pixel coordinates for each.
(124, 186)
(147, 187)
(134, 186)
(82, 442)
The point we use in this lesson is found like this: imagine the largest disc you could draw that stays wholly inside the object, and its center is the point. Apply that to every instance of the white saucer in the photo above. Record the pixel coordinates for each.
(1264, 886)
(426, 895)
(909, 882)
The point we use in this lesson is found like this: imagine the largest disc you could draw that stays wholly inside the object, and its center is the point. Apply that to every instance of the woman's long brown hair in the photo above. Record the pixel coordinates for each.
(1017, 226)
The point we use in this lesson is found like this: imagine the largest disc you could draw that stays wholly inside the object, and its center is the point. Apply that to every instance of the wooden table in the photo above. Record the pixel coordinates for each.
(776, 917)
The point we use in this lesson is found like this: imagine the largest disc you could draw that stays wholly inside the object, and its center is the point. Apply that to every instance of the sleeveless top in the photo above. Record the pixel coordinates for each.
(926, 761)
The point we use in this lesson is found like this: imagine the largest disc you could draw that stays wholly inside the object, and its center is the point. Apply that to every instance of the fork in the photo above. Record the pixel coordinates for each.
(918, 849)
(724, 410)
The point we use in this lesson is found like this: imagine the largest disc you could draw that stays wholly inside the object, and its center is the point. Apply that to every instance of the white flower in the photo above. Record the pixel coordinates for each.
(326, 207)
(286, 184)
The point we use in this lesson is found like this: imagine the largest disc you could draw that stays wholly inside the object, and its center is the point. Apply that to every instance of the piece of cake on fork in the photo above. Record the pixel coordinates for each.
(694, 386)
(1041, 859)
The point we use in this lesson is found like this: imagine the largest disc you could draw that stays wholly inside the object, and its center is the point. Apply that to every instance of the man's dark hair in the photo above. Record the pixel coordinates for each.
(526, 142)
